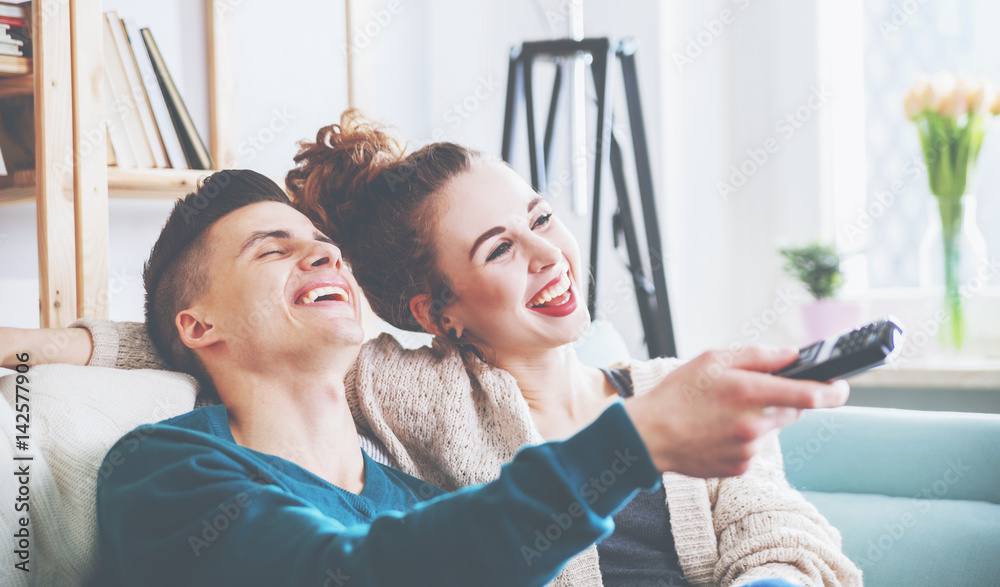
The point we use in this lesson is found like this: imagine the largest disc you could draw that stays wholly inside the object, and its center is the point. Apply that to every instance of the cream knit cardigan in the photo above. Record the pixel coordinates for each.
(455, 422)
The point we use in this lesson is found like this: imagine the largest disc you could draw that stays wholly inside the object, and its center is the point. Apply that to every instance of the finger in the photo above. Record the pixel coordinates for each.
(763, 390)
(765, 358)
(781, 417)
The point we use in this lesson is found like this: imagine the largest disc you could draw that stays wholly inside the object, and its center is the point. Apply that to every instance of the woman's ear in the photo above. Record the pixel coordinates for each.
(195, 331)
(420, 307)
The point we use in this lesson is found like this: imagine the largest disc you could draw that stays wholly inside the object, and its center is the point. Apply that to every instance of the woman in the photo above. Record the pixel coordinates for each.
(453, 243)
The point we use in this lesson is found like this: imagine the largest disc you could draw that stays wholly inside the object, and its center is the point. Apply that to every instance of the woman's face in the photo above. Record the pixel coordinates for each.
(514, 267)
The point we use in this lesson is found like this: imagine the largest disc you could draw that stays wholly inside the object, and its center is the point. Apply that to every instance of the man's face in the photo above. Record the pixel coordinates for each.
(279, 293)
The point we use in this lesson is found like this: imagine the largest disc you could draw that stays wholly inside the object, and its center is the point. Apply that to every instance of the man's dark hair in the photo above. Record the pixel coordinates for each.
(175, 274)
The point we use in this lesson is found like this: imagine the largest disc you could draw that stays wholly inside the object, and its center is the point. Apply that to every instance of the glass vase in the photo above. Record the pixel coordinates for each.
(952, 251)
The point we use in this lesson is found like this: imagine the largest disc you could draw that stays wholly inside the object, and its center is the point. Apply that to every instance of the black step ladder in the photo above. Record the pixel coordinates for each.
(649, 283)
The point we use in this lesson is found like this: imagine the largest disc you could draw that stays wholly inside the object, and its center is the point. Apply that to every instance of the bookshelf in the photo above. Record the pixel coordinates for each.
(72, 180)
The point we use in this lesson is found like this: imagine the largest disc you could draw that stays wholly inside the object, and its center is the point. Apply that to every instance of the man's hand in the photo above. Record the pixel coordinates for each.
(710, 416)
(45, 345)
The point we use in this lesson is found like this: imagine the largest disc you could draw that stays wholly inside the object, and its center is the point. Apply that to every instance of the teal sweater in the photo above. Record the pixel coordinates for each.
(180, 503)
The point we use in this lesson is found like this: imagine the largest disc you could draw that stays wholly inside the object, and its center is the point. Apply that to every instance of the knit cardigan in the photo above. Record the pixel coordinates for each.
(453, 421)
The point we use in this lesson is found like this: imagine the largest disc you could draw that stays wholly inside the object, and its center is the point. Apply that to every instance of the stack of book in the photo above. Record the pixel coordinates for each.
(14, 36)
(8, 44)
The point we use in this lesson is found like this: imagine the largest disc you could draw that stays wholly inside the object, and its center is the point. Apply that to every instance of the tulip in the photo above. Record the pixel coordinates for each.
(976, 97)
(995, 105)
(940, 91)
(918, 98)
(955, 103)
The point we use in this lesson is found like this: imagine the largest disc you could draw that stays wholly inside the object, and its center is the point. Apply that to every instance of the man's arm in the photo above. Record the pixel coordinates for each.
(181, 508)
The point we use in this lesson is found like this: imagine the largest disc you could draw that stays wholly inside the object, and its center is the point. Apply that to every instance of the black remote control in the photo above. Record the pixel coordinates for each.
(843, 355)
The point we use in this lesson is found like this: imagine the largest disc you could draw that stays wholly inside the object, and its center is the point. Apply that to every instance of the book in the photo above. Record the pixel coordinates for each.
(116, 106)
(15, 9)
(117, 137)
(194, 149)
(169, 140)
(17, 133)
(124, 106)
(8, 49)
(137, 90)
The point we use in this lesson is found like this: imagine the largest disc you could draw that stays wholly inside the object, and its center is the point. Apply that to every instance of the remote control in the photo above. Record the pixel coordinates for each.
(843, 355)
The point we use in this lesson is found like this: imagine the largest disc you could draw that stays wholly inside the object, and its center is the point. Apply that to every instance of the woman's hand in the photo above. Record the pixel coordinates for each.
(708, 417)
(45, 345)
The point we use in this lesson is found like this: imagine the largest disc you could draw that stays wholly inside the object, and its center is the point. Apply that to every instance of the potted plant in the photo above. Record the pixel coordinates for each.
(817, 266)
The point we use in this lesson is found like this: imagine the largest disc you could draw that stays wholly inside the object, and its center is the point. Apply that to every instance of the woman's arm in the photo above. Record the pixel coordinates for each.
(768, 529)
(93, 342)
(44, 345)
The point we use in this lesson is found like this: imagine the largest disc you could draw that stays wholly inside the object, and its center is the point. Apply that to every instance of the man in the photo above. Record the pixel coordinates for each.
(271, 487)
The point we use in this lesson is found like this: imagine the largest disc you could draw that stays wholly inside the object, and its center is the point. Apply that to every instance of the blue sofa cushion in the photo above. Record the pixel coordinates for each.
(916, 542)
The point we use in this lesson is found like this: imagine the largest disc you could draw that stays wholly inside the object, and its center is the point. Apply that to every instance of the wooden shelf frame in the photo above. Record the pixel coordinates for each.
(126, 184)
(73, 184)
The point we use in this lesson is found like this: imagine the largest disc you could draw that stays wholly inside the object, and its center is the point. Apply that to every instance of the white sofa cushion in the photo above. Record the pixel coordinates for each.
(76, 414)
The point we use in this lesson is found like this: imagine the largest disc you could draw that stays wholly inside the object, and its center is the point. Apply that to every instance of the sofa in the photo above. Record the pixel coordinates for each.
(916, 495)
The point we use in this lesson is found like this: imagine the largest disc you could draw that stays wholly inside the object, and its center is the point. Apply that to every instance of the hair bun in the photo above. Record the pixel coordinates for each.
(331, 180)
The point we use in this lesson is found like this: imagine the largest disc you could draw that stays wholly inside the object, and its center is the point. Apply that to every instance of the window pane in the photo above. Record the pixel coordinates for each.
(901, 40)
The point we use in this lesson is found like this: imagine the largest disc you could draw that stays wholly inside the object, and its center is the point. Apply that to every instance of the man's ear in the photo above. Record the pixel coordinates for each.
(420, 307)
(195, 330)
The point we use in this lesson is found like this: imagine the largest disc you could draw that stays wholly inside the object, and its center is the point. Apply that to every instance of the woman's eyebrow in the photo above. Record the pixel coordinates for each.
(489, 233)
(534, 202)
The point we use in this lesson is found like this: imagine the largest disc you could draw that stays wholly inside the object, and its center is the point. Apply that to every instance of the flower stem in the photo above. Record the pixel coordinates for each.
(951, 225)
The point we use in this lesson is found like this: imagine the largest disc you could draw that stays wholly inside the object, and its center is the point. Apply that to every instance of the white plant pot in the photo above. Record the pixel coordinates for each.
(823, 318)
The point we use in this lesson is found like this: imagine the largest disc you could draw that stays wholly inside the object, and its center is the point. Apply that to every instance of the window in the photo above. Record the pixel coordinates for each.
(902, 38)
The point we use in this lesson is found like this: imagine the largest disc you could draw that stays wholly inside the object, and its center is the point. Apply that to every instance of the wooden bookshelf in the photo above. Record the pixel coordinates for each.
(125, 183)
(67, 80)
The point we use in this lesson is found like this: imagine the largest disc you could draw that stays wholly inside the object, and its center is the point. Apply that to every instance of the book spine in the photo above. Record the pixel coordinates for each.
(158, 105)
(194, 148)
(123, 102)
(137, 91)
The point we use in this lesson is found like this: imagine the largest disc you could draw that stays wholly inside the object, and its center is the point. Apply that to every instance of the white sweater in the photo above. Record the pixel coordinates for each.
(454, 422)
